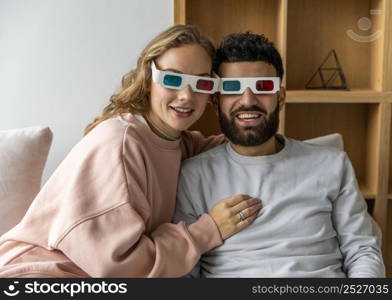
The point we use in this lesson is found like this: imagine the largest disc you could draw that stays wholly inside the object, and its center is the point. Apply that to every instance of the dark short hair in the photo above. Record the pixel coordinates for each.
(239, 47)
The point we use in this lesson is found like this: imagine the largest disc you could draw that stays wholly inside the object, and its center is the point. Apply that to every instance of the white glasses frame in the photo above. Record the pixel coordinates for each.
(249, 82)
(191, 80)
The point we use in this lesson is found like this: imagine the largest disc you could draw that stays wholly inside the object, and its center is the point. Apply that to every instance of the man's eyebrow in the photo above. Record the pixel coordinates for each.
(179, 72)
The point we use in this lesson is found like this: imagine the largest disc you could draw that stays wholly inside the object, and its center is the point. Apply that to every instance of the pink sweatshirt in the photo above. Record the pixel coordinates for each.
(106, 210)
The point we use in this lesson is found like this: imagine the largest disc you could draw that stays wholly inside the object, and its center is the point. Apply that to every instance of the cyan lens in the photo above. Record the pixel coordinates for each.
(231, 86)
(172, 80)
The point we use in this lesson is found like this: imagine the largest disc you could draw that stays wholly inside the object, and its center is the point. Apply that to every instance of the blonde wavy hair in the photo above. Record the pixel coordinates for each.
(134, 96)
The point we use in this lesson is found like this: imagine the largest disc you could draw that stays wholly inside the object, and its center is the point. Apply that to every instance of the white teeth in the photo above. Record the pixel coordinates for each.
(184, 110)
(248, 116)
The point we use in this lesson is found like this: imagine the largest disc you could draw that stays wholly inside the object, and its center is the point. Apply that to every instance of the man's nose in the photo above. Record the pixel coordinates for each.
(185, 93)
(248, 98)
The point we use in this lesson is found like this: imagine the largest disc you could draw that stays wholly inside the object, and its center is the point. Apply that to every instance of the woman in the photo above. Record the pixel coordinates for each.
(106, 210)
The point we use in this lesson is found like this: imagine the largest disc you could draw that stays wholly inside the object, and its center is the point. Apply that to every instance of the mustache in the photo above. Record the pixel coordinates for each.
(248, 108)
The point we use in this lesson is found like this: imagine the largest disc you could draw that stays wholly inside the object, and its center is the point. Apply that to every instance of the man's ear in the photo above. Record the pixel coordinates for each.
(281, 97)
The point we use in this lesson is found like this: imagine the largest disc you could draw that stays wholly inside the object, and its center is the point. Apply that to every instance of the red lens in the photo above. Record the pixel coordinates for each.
(264, 85)
(205, 85)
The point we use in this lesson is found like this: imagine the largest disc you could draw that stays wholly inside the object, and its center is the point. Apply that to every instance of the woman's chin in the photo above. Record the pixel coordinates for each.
(184, 122)
(179, 129)
(181, 126)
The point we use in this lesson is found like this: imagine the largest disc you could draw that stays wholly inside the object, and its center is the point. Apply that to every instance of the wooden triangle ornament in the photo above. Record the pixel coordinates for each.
(327, 76)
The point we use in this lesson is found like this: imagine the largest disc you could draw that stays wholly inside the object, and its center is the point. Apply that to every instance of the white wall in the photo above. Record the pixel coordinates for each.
(61, 60)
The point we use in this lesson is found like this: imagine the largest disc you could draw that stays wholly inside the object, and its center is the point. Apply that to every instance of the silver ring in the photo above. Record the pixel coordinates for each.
(241, 215)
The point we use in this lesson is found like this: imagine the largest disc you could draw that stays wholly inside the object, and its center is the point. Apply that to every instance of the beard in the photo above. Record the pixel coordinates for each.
(252, 135)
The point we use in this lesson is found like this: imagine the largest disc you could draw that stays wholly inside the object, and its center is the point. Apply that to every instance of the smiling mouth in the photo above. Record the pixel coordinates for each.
(181, 112)
(181, 109)
(248, 116)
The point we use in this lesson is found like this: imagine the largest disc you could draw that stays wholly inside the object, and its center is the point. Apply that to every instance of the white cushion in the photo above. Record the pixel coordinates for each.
(23, 154)
(331, 140)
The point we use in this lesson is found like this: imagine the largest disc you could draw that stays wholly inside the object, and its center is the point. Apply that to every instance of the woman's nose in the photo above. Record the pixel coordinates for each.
(185, 93)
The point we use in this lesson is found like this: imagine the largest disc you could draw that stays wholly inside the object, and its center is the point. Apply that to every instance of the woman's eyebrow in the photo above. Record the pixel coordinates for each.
(179, 72)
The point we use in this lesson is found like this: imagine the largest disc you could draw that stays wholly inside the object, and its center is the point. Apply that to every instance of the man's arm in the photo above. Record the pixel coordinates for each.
(359, 236)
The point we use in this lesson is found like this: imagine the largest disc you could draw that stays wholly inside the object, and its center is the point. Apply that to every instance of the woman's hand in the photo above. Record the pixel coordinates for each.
(233, 214)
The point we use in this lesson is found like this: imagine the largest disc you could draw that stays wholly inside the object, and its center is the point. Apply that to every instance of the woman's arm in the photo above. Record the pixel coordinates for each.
(115, 244)
(194, 142)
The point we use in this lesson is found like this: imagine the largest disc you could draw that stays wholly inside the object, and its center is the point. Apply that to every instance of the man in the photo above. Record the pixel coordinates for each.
(314, 221)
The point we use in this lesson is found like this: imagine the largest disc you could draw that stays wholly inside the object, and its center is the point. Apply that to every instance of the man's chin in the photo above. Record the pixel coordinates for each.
(249, 130)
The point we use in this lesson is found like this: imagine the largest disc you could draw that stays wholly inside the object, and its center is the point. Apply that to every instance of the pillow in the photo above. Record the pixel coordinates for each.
(331, 140)
(23, 154)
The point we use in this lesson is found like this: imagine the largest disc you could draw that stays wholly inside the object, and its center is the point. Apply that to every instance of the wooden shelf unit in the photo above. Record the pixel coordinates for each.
(390, 164)
(388, 254)
(319, 119)
(304, 31)
(323, 96)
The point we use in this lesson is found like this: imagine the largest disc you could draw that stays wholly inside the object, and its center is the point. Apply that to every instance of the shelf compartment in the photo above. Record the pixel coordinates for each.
(221, 17)
(315, 27)
(358, 123)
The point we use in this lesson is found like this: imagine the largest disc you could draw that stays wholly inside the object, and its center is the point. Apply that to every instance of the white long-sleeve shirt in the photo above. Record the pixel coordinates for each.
(314, 221)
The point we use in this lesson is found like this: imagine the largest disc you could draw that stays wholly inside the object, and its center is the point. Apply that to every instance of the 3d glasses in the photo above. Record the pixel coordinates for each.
(258, 85)
(178, 81)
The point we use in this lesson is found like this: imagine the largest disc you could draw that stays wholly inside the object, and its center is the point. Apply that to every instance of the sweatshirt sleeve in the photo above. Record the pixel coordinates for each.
(189, 205)
(113, 242)
(186, 210)
(194, 142)
(358, 234)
